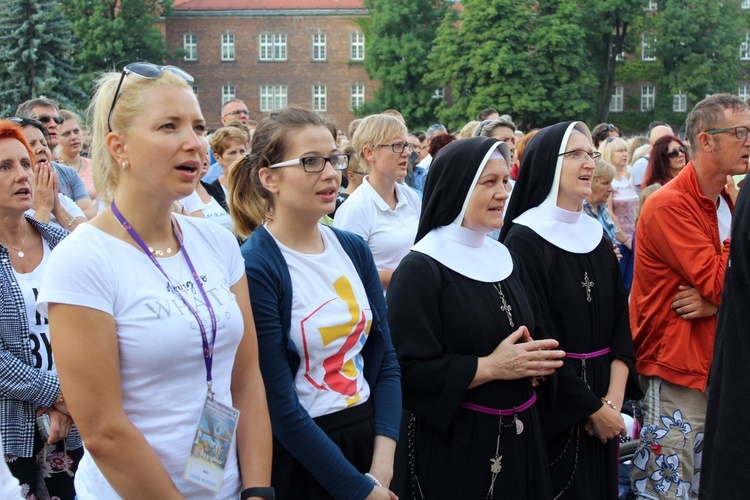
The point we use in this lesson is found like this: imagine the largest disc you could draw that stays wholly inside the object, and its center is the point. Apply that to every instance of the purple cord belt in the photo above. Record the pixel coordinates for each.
(502, 413)
(588, 355)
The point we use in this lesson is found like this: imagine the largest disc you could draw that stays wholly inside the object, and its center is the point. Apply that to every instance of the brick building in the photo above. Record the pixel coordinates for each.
(273, 53)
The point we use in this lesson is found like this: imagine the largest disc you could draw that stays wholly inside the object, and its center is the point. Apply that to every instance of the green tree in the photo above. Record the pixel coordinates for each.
(400, 34)
(36, 41)
(113, 33)
(520, 56)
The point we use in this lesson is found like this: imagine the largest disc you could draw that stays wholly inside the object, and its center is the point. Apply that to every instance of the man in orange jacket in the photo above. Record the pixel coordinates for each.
(682, 242)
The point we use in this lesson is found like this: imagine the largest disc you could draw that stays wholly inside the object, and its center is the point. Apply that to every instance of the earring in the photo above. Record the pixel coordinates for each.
(124, 166)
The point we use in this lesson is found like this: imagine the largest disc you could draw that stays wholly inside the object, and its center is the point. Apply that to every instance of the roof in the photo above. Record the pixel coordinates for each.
(233, 5)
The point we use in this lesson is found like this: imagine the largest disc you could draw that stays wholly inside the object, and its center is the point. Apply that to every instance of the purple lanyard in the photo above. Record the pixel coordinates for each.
(208, 350)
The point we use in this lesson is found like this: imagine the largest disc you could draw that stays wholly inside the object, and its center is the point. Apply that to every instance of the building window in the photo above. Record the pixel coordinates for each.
(227, 47)
(319, 97)
(357, 46)
(195, 90)
(651, 6)
(227, 93)
(745, 49)
(190, 46)
(358, 95)
(273, 47)
(648, 47)
(679, 103)
(272, 97)
(439, 94)
(616, 100)
(648, 96)
(743, 92)
(746, 4)
(319, 47)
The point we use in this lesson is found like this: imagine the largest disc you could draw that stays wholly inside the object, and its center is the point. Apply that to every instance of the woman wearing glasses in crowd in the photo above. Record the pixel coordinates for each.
(384, 211)
(668, 156)
(331, 375)
(29, 385)
(574, 271)
(153, 329)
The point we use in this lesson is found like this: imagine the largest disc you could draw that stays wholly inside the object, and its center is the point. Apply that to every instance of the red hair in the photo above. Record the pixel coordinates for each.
(10, 130)
(658, 169)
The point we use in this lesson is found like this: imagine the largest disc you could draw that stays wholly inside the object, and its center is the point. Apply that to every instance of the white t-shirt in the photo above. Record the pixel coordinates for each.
(211, 210)
(68, 204)
(331, 319)
(724, 216)
(389, 233)
(29, 284)
(162, 370)
(638, 173)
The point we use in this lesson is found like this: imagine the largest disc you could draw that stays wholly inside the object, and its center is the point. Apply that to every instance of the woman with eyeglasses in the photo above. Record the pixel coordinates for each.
(153, 331)
(574, 271)
(668, 157)
(331, 375)
(29, 385)
(384, 211)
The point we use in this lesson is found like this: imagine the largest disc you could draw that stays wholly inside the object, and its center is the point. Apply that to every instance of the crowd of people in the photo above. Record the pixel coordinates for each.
(285, 309)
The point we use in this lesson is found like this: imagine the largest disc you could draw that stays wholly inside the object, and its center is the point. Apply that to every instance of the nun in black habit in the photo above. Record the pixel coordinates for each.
(573, 269)
(462, 317)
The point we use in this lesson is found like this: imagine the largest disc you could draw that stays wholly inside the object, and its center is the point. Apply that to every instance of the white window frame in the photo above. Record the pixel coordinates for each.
(616, 100)
(648, 47)
(195, 90)
(745, 4)
(679, 103)
(273, 97)
(743, 91)
(228, 93)
(227, 46)
(319, 47)
(190, 46)
(651, 6)
(319, 98)
(357, 95)
(272, 47)
(648, 97)
(439, 94)
(357, 46)
(745, 48)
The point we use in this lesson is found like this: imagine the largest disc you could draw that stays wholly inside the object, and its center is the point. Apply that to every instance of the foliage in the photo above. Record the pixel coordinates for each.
(400, 34)
(36, 41)
(114, 33)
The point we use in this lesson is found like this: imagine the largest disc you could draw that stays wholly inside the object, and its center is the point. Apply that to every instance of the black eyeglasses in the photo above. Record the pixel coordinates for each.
(238, 112)
(144, 70)
(677, 152)
(30, 122)
(47, 119)
(358, 172)
(739, 132)
(398, 147)
(315, 164)
(581, 155)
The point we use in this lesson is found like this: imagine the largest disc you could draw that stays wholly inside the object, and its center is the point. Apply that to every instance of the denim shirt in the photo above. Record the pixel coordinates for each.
(601, 213)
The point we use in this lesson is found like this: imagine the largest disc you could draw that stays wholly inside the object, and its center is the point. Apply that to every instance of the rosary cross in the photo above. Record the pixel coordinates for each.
(587, 285)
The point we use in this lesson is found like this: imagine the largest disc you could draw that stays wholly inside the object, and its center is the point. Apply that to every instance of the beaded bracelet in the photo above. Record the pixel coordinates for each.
(373, 479)
(609, 403)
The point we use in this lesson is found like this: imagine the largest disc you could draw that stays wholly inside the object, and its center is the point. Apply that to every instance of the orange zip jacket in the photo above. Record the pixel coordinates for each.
(677, 243)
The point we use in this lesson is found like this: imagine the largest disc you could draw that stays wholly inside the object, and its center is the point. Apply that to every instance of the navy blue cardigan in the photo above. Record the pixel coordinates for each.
(271, 296)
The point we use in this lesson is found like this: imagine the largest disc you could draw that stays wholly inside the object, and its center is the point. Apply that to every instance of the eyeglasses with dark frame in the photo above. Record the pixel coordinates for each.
(739, 132)
(238, 112)
(47, 119)
(358, 172)
(144, 70)
(677, 152)
(581, 155)
(315, 164)
(398, 147)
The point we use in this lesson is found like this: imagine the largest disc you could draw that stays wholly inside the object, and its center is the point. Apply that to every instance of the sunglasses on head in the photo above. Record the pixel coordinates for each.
(676, 152)
(608, 127)
(46, 119)
(30, 122)
(144, 70)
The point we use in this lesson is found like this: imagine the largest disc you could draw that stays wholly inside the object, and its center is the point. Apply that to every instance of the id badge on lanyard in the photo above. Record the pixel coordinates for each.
(217, 425)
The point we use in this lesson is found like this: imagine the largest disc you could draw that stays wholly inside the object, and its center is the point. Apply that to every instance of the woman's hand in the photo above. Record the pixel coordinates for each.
(60, 424)
(605, 424)
(689, 304)
(518, 356)
(45, 190)
(381, 493)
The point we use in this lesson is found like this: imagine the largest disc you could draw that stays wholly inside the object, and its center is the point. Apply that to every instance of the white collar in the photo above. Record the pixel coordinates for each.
(571, 231)
(467, 252)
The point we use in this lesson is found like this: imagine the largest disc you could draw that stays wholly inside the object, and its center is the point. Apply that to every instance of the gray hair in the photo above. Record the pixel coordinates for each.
(24, 109)
(709, 113)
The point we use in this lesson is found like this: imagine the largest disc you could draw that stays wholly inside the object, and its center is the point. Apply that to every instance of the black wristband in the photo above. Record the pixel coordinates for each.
(258, 491)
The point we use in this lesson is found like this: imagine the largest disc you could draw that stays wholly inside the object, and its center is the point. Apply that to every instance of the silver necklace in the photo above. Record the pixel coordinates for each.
(18, 250)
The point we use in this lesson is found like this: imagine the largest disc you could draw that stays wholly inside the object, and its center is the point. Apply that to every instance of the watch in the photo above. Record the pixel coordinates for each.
(258, 491)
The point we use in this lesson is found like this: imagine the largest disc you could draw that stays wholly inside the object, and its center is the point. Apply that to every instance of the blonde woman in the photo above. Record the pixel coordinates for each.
(153, 330)
(70, 147)
(383, 211)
